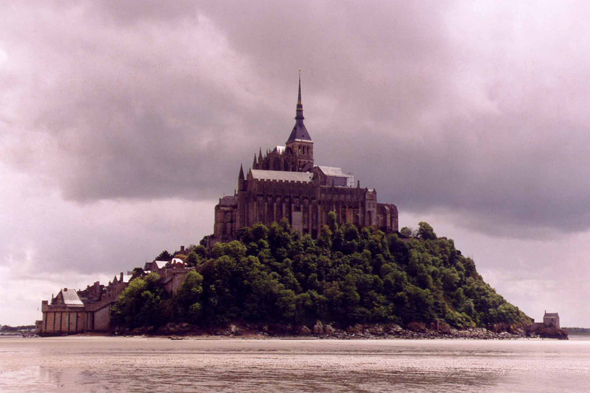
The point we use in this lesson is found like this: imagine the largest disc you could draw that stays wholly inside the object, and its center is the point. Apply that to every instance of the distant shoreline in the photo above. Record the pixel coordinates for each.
(337, 334)
(285, 338)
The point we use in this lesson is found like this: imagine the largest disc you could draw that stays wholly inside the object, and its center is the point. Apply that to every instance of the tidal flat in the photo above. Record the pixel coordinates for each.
(156, 364)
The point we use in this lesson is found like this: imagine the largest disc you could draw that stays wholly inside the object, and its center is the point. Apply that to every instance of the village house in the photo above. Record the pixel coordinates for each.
(549, 320)
(72, 311)
(89, 310)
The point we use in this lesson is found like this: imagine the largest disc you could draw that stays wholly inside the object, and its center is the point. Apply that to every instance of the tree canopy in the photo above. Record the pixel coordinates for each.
(346, 276)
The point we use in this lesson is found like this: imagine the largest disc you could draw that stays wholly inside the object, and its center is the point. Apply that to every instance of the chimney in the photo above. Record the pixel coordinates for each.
(182, 247)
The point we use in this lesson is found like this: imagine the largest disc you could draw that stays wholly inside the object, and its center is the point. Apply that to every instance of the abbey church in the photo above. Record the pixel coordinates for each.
(286, 183)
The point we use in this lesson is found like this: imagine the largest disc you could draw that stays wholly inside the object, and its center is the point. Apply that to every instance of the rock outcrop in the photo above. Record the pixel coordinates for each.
(358, 331)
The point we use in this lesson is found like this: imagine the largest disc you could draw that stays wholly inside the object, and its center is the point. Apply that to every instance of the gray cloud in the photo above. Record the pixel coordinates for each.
(480, 112)
(120, 125)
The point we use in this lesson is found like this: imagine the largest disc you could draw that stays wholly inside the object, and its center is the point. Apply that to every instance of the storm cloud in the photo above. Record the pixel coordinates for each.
(128, 120)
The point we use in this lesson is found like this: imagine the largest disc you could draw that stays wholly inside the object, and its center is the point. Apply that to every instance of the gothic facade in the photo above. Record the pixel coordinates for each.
(286, 183)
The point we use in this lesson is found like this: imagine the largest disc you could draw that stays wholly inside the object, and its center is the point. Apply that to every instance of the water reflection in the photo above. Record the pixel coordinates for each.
(97, 364)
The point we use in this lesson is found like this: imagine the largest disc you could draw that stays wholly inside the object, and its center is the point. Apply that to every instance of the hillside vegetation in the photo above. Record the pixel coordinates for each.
(346, 276)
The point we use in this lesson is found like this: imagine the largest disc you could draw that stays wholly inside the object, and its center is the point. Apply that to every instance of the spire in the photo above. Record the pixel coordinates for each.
(241, 175)
(299, 131)
(299, 110)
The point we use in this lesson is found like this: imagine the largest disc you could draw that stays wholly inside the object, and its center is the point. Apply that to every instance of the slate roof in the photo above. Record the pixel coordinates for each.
(551, 315)
(71, 298)
(299, 132)
(332, 171)
(301, 177)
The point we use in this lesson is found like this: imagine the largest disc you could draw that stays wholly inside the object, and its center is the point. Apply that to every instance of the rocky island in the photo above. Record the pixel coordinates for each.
(298, 249)
(345, 284)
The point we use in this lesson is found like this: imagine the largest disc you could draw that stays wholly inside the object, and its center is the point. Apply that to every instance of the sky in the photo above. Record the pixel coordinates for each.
(123, 123)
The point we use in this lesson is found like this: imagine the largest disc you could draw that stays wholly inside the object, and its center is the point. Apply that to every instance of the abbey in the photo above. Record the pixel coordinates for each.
(286, 183)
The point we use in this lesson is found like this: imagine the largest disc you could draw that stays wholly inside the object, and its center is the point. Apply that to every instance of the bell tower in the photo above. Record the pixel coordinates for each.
(299, 145)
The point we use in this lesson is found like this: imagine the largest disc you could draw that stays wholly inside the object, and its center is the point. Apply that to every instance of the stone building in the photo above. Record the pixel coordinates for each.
(173, 273)
(89, 310)
(72, 311)
(551, 319)
(286, 183)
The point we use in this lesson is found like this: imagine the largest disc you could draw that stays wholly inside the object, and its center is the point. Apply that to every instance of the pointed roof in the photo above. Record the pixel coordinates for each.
(299, 131)
(69, 297)
(241, 175)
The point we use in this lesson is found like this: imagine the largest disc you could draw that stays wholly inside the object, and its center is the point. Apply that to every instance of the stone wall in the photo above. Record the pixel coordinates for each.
(102, 318)
(61, 319)
(304, 205)
(173, 278)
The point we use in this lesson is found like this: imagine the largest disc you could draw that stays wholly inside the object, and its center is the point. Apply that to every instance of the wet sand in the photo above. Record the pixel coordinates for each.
(150, 364)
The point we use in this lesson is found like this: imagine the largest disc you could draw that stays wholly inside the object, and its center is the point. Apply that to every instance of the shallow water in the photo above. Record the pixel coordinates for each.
(98, 364)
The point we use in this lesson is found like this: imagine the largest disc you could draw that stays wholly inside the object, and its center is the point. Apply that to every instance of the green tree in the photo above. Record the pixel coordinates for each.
(142, 303)
(450, 279)
(425, 231)
(192, 259)
(259, 232)
(346, 276)
(188, 297)
(201, 251)
(332, 222)
(406, 232)
(164, 256)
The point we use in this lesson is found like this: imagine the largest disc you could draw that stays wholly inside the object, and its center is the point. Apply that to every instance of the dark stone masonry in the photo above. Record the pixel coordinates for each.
(286, 183)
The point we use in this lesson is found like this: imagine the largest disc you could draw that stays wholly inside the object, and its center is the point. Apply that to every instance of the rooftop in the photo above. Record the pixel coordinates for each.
(229, 201)
(332, 171)
(160, 264)
(301, 177)
(71, 298)
(299, 133)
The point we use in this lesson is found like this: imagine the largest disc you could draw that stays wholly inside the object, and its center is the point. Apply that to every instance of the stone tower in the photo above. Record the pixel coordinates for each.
(285, 183)
(299, 145)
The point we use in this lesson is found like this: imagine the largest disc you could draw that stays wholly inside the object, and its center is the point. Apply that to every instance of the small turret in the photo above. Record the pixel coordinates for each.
(241, 179)
(241, 175)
